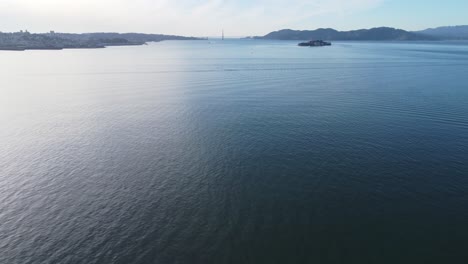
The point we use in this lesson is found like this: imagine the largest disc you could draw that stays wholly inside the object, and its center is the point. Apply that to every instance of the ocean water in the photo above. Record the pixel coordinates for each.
(236, 151)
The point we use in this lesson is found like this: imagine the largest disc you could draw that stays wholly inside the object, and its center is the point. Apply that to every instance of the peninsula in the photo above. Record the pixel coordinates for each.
(24, 40)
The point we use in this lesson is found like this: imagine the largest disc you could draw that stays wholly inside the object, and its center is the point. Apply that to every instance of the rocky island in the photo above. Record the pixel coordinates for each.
(314, 43)
(24, 40)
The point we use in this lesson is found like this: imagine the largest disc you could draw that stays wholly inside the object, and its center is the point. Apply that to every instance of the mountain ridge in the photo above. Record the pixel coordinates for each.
(447, 32)
(376, 34)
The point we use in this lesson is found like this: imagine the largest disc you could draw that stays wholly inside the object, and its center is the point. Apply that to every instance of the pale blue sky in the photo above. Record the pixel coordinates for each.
(237, 17)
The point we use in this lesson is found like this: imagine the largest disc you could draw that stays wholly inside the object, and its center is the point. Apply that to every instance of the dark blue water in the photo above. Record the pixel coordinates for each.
(235, 152)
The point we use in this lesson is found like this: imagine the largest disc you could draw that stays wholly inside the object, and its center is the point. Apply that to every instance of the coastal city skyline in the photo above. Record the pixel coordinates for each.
(238, 18)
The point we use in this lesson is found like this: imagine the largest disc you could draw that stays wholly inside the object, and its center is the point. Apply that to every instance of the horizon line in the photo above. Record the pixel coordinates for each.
(239, 36)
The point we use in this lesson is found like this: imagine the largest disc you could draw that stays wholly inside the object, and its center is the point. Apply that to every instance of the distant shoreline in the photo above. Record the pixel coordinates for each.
(372, 34)
(64, 48)
(22, 41)
(71, 47)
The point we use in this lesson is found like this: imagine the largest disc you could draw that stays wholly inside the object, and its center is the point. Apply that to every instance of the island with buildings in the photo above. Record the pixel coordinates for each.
(25, 40)
(314, 43)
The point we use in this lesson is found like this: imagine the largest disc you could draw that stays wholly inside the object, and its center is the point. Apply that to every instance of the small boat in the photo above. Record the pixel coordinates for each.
(314, 43)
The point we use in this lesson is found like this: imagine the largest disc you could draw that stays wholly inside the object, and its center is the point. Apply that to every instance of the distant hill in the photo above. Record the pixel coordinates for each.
(455, 32)
(376, 34)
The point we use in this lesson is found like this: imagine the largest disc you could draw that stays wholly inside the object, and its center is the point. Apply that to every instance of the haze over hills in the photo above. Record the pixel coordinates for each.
(451, 32)
(377, 34)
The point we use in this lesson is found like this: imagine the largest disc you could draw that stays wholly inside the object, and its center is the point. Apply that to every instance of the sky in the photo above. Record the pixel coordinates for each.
(236, 17)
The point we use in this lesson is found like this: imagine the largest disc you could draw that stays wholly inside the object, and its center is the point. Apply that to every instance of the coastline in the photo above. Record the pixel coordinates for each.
(23, 40)
(20, 48)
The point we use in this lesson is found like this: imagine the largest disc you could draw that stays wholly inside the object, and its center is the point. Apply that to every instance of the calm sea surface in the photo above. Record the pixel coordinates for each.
(239, 151)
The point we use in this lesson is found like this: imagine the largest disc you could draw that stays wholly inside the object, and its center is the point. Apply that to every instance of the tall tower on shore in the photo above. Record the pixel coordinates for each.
(222, 34)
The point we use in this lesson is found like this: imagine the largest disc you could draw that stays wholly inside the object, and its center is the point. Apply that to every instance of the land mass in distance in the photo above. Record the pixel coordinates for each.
(24, 40)
(373, 34)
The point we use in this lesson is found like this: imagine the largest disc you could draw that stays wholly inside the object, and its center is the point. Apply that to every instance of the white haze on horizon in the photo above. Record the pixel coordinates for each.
(182, 17)
(237, 17)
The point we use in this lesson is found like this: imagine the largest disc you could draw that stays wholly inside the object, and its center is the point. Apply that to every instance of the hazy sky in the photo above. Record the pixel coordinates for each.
(237, 17)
